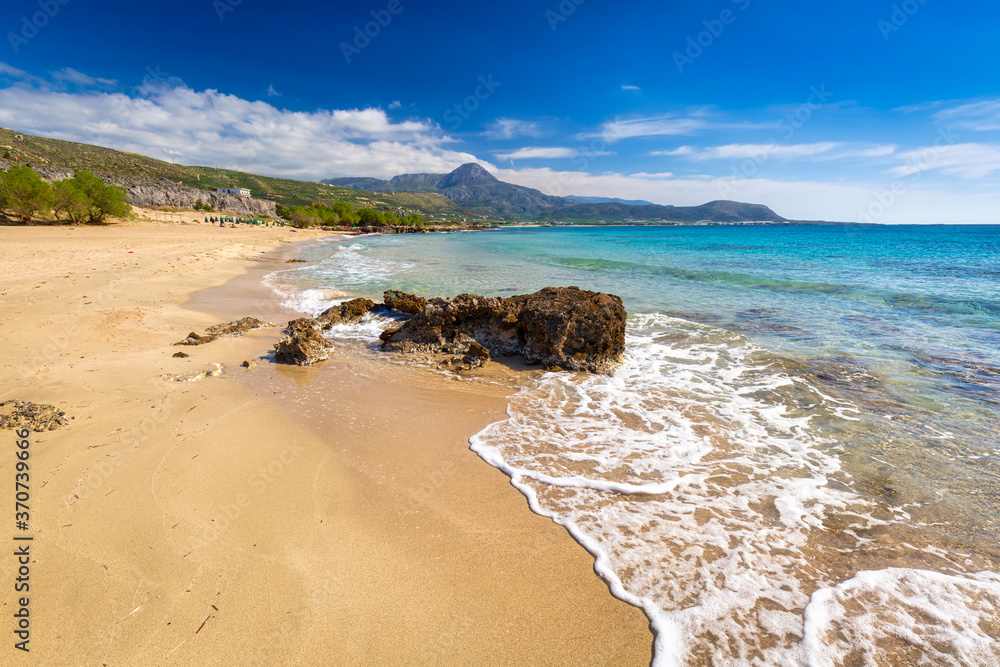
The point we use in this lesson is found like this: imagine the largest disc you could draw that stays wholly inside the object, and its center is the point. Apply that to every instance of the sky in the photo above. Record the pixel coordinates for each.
(858, 111)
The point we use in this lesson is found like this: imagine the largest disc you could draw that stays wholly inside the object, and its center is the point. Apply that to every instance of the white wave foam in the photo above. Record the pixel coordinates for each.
(905, 617)
(314, 288)
(694, 477)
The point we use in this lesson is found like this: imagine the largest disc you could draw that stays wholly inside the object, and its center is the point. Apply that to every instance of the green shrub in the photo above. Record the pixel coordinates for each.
(71, 200)
(105, 200)
(24, 193)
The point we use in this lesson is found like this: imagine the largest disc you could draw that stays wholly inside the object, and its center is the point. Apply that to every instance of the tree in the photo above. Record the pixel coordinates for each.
(71, 200)
(346, 213)
(23, 192)
(371, 217)
(303, 217)
(105, 200)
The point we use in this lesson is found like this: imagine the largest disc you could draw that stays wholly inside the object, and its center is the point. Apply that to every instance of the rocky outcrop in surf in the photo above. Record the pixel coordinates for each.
(403, 302)
(567, 327)
(346, 313)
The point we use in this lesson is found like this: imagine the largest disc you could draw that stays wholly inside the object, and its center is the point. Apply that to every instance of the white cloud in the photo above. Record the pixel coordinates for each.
(981, 116)
(396, 104)
(969, 161)
(13, 72)
(70, 75)
(209, 127)
(683, 150)
(551, 153)
(772, 150)
(632, 88)
(271, 92)
(668, 125)
(510, 128)
(827, 150)
(873, 151)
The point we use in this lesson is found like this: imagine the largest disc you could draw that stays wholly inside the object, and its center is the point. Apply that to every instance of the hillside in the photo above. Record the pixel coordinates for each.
(288, 192)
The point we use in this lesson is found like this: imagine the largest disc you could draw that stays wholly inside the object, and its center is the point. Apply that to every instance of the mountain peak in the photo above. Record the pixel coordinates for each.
(467, 174)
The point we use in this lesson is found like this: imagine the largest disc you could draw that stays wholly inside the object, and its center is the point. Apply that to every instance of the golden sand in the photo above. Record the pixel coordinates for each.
(233, 520)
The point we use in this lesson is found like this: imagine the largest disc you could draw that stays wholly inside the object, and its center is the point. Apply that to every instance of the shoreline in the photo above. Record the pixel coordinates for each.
(238, 515)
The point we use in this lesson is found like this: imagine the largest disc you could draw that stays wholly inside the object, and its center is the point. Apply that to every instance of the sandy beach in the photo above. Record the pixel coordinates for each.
(276, 515)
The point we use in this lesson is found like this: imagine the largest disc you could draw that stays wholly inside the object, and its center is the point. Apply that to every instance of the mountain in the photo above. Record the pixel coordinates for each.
(611, 200)
(472, 187)
(715, 211)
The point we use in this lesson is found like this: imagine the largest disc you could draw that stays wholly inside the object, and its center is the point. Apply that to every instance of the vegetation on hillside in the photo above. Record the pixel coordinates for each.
(46, 152)
(81, 199)
(343, 214)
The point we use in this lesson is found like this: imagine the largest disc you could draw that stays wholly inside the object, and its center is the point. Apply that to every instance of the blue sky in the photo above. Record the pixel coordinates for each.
(873, 111)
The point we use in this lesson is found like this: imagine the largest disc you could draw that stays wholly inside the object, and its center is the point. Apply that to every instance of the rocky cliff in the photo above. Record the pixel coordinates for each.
(153, 193)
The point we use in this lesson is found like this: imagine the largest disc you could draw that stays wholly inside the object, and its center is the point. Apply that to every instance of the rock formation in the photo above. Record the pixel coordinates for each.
(304, 345)
(236, 329)
(403, 302)
(150, 192)
(557, 326)
(346, 313)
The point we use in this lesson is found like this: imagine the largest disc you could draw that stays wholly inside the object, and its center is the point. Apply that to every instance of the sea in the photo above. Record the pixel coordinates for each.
(798, 462)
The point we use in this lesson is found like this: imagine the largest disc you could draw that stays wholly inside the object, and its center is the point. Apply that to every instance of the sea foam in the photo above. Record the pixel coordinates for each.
(696, 477)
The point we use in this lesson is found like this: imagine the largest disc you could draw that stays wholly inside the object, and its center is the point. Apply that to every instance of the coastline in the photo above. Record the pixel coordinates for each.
(188, 523)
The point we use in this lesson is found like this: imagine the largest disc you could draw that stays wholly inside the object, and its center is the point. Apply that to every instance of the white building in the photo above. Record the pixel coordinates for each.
(239, 192)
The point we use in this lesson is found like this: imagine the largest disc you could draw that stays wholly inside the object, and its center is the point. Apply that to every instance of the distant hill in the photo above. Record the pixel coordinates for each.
(288, 192)
(612, 200)
(470, 186)
(476, 189)
(715, 211)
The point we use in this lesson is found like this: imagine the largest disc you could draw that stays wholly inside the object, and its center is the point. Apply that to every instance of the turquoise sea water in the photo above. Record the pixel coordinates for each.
(799, 460)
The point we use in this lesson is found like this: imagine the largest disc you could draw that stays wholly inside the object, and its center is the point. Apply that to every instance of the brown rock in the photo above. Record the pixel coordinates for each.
(345, 313)
(302, 324)
(403, 302)
(557, 326)
(195, 339)
(181, 355)
(304, 347)
(238, 327)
